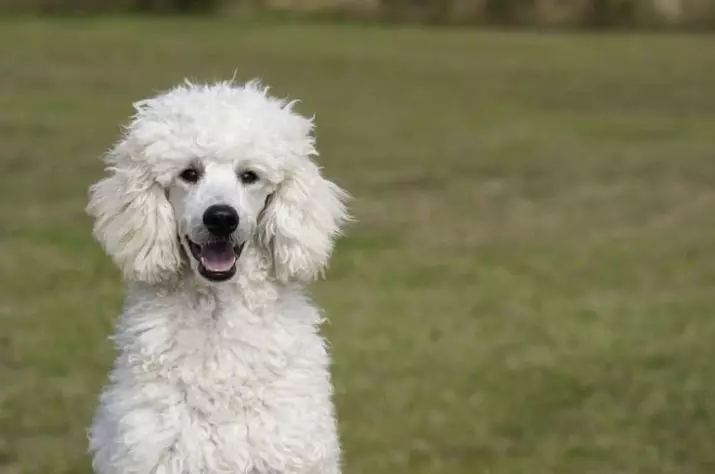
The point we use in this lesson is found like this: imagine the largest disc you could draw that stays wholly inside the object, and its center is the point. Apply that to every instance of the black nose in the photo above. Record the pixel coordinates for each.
(220, 219)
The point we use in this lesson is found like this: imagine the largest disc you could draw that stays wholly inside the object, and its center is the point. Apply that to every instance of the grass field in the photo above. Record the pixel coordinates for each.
(530, 288)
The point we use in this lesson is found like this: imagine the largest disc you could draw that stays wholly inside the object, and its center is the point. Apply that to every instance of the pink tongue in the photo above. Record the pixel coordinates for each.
(218, 257)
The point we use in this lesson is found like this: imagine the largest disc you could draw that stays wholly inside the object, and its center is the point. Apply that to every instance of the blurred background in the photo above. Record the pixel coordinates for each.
(529, 286)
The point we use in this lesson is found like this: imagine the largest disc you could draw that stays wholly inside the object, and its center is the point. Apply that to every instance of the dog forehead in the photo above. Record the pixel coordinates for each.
(222, 113)
(221, 123)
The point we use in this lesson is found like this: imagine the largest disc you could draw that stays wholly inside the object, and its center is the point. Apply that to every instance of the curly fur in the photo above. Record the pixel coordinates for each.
(217, 377)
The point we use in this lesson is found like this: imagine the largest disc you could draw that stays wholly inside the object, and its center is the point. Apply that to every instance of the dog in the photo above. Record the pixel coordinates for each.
(218, 217)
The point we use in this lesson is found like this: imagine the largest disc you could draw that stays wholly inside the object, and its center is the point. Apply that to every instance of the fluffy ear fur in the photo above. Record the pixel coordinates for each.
(300, 222)
(134, 222)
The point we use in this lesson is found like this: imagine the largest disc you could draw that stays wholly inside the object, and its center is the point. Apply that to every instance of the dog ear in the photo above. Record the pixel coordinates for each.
(134, 221)
(300, 222)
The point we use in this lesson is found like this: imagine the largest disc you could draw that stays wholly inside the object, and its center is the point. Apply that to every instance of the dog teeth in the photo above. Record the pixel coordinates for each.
(215, 241)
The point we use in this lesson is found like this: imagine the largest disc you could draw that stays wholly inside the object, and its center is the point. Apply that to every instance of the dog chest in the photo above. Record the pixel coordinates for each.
(258, 402)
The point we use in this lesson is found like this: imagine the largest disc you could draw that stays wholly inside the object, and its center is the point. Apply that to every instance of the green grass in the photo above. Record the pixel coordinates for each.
(530, 288)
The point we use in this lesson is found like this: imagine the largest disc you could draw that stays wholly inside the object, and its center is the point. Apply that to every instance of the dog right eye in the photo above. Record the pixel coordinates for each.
(190, 175)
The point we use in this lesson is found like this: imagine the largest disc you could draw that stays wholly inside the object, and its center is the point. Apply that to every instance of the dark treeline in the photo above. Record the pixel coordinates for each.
(578, 13)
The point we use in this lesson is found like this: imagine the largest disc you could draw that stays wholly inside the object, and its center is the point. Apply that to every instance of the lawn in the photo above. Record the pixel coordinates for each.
(529, 288)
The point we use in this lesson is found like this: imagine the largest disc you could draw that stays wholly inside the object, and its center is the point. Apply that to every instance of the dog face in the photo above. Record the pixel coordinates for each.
(216, 206)
(202, 173)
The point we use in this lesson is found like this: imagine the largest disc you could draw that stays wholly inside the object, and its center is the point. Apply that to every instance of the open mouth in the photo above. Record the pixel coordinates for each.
(217, 258)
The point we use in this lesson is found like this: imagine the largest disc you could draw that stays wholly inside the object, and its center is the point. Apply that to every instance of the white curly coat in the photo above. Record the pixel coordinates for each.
(217, 377)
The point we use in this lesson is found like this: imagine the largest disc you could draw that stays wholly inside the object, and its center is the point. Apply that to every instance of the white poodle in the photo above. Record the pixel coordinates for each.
(217, 217)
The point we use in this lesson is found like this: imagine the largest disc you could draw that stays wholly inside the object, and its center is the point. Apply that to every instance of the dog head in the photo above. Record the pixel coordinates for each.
(202, 173)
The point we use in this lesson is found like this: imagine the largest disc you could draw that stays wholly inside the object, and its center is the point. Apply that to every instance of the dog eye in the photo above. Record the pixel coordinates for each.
(248, 177)
(190, 175)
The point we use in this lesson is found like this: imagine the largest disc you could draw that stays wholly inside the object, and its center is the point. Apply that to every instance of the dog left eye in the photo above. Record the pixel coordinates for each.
(190, 175)
(248, 177)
